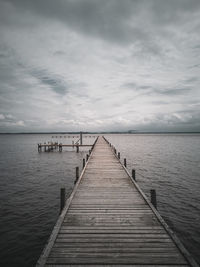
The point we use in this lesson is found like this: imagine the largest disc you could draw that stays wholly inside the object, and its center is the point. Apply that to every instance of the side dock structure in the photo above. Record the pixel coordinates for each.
(108, 221)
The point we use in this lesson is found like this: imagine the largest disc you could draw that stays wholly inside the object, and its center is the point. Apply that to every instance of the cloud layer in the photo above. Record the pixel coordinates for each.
(99, 65)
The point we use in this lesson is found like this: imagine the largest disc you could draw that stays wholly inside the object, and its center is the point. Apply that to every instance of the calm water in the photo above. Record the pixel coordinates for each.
(30, 184)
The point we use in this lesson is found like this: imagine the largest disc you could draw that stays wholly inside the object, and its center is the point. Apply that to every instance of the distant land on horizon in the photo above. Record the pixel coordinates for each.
(106, 132)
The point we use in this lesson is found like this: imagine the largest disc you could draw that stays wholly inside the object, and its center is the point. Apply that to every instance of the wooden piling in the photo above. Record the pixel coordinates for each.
(77, 175)
(87, 157)
(77, 148)
(133, 174)
(39, 148)
(83, 163)
(124, 162)
(81, 138)
(60, 147)
(118, 155)
(153, 197)
(62, 198)
(45, 148)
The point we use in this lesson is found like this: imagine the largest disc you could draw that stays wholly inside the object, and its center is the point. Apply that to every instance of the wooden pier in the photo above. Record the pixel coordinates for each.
(108, 221)
(58, 146)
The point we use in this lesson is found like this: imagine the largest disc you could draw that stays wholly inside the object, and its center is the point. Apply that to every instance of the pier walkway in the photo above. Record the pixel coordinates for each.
(108, 221)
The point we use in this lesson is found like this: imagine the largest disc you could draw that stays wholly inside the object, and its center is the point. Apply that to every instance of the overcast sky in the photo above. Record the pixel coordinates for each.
(69, 65)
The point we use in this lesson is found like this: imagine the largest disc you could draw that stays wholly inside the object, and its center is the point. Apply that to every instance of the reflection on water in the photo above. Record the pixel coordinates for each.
(30, 184)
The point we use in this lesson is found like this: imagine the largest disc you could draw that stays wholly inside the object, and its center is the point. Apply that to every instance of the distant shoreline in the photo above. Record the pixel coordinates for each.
(136, 132)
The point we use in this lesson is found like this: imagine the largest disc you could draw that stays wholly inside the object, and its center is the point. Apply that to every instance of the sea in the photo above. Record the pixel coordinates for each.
(30, 185)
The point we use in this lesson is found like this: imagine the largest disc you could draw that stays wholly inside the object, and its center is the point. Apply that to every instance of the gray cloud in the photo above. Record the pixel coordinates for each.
(179, 91)
(56, 83)
(99, 65)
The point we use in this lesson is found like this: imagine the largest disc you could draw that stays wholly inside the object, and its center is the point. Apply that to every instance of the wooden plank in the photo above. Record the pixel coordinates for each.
(113, 228)
(116, 260)
(111, 231)
(117, 245)
(74, 249)
(119, 265)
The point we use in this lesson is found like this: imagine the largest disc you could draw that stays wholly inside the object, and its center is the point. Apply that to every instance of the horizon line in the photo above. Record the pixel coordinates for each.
(105, 132)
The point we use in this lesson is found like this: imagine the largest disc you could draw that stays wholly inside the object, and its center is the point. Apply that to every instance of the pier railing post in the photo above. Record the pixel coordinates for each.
(81, 138)
(133, 174)
(60, 147)
(124, 162)
(39, 147)
(83, 163)
(87, 157)
(77, 148)
(118, 155)
(153, 197)
(62, 198)
(77, 175)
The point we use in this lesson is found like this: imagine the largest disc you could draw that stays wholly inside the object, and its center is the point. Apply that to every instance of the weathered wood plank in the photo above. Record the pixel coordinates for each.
(117, 260)
(116, 245)
(118, 265)
(111, 231)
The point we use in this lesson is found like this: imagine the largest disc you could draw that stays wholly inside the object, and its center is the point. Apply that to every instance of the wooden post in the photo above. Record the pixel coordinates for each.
(83, 163)
(87, 157)
(133, 174)
(60, 147)
(77, 175)
(153, 197)
(77, 148)
(124, 162)
(81, 138)
(62, 198)
(118, 155)
(39, 147)
(89, 151)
